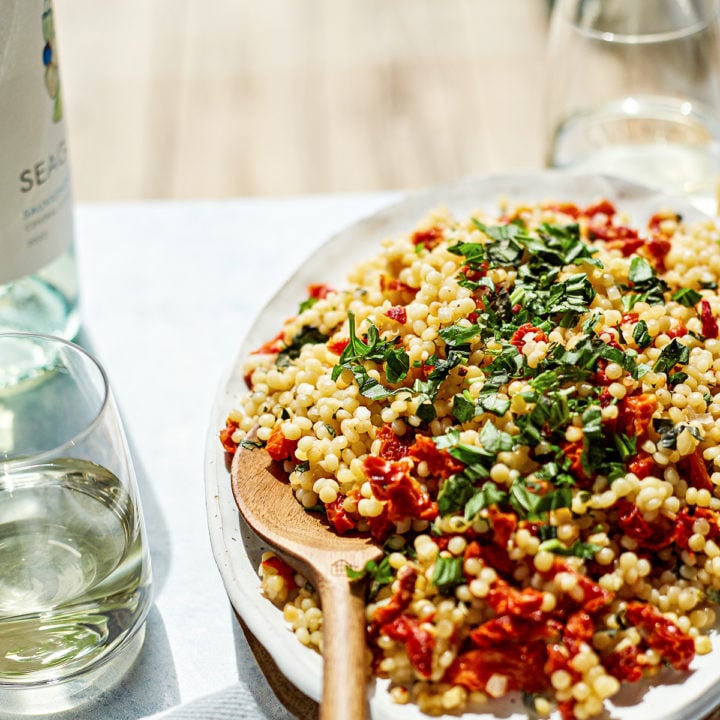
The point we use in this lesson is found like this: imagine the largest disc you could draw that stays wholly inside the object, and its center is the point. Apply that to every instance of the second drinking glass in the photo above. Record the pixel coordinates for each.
(74, 562)
(633, 89)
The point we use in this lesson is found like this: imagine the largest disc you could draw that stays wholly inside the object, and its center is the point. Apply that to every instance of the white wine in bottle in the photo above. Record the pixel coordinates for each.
(38, 282)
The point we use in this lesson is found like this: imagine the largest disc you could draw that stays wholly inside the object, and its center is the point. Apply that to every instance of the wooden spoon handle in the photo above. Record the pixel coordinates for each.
(344, 650)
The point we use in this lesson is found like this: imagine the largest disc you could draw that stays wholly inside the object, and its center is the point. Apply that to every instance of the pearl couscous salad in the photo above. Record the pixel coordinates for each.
(524, 411)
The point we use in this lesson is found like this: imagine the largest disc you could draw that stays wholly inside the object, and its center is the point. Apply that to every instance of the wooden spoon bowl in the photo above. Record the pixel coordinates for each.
(266, 501)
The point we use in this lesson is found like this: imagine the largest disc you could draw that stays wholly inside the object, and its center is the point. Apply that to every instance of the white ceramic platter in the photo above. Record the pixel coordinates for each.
(237, 551)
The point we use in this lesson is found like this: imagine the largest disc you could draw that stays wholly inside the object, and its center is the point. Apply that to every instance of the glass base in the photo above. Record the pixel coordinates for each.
(33, 305)
(51, 698)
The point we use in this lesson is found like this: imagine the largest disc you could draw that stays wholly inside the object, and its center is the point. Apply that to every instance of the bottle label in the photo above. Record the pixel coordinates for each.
(36, 211)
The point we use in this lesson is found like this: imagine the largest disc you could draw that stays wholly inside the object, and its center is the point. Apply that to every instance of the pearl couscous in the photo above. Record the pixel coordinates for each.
(525, 411)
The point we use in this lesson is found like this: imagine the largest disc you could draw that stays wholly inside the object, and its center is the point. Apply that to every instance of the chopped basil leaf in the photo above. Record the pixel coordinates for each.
(586, 551)
(646, 286)
(397, 364)
(426, 412)
(474, 252)
(456, 356)
(463, 410)
(592, 422)
(669, 432)
(395, 361)
(454, 493)
(641, 335)
(380, 572)
(459, 334)
(306, 336)
(493, 403)
(306, 305)
(626, 446)
(528, 700)
(447, 573)
(450, 439)
(532, 504)
(687, 297)
(251, 444)
(676, 378)
(470, 455)
(504, 249)
(547, 532)
(552, 472)
(640, 270)
(672, 354)
(494, 440)
(488, 494)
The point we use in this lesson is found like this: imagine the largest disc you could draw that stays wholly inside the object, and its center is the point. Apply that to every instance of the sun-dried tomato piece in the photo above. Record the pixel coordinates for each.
(271, 347)
(507, 600)
(653, 536)
(441, 464)
(623, 664)
(229, 445)
(695, 471)
(602, 207)
(658, 246)
(708, 320)
(521, 664)
(655, 222)
(279, 447)
(503, 525)
(573, 451)
(390, 481)
(320, 291)
(498, 559)
(579, 626)
(566, 208)
(662, 634)
(475, 271)
(419, 642)
(380, 526)
(520, 336)
(429, 238)
(516, 628)
(685, 521)
(397, 313)
(406, 577)
(282, 569)
(642, 464)
(338, 346)
(392, 447)
(338, 517)
(678, 331)
(635, 414)
(592, 598)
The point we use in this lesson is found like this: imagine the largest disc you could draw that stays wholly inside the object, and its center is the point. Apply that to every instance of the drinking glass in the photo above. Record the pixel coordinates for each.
(633, 89)
(74, 564)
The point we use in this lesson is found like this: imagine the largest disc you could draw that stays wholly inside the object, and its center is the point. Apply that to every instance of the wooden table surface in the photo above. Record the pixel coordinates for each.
(223, 98)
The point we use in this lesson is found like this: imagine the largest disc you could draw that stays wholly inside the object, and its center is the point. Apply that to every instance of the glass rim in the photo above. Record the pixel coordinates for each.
(35, 458)
(710, 15)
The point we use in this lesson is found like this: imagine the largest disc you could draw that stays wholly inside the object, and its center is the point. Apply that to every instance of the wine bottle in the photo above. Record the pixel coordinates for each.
(38, 281)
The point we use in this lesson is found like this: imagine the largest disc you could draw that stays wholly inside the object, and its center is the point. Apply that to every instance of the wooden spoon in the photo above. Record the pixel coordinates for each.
(267, 503)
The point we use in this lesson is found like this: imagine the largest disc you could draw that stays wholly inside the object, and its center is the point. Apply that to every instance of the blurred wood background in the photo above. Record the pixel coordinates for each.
(225, 98)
